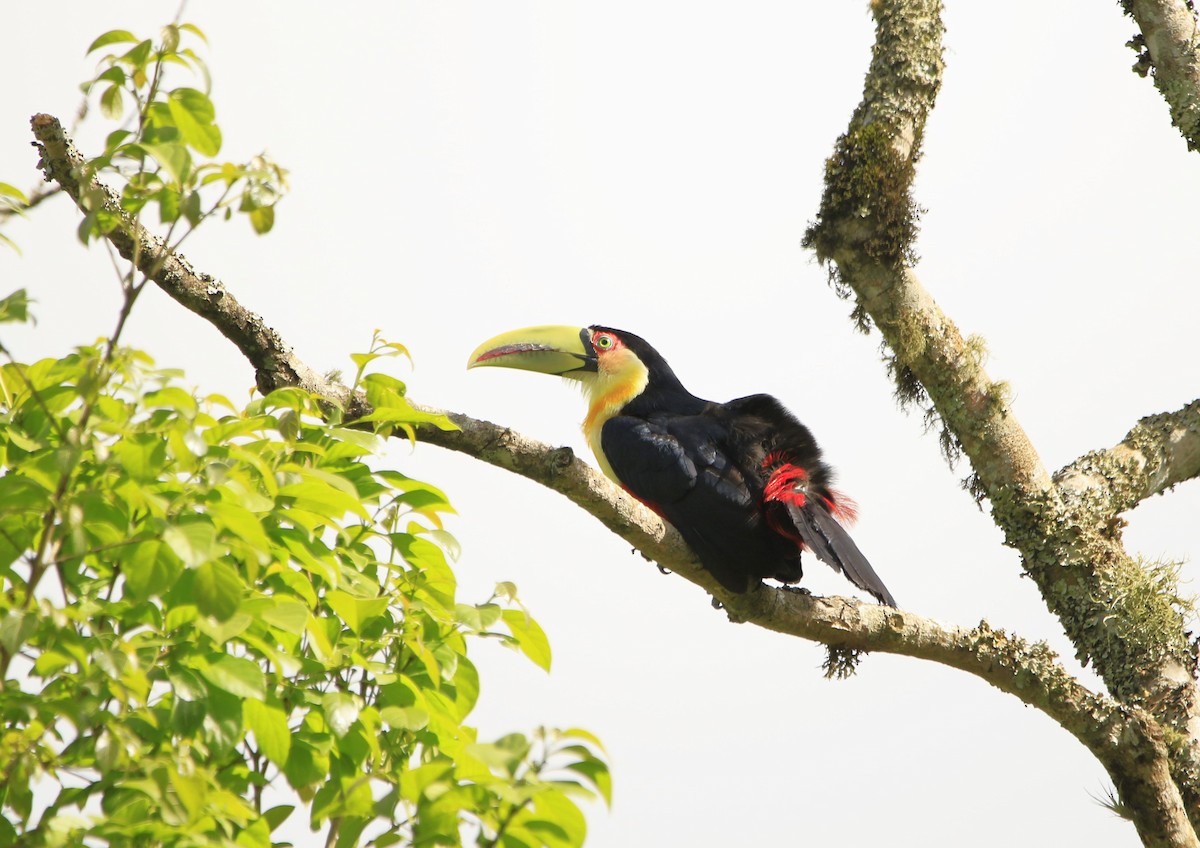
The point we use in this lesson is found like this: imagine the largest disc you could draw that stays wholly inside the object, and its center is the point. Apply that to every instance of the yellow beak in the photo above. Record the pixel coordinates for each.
(555, 349)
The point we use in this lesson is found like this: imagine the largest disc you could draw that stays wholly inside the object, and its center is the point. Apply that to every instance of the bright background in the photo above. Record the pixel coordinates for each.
(462, 168)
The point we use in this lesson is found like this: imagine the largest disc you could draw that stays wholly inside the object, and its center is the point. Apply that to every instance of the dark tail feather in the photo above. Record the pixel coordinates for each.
(831, 544)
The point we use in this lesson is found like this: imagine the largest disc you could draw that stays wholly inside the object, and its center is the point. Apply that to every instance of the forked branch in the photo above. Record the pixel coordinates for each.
(1068, 537)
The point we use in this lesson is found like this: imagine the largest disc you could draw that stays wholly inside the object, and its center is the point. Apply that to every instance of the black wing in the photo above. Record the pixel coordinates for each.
(680, 466)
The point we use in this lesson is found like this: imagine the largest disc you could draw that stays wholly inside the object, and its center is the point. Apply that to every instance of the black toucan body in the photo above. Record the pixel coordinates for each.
(743, 482)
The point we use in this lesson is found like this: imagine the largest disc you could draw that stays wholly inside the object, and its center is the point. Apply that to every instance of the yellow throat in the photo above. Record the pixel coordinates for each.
(619, 378)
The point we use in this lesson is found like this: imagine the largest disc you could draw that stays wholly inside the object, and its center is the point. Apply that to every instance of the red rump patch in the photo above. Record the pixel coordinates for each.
(787, 484)
(842, 507)
(774, 458)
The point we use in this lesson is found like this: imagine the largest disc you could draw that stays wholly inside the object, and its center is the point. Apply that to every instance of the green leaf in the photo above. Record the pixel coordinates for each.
(168, 204)
(341, 711)
(506, 590)
(240, 523)
(194, 542)
(150, 570)
(15, 307)
(257, 834)
(222, 632)
(278, 815)
(173, 157)
(15, 193)
(217, 590)
(142, 456)
(405, 718)
(15, 628)
(352, 826)
(402, 413)
(199, 33)
(235, 675)
(115, 75)
(262, 219)
(558, 811)
(319, 496)
(355, 611)
(191, 790)
(193, 114)
(111, 105)
(598, 775)
(187, 717)
(585, 735)
(136, 57)
(343, 797)
(222, 721)
(531, 639)
(306, 765)
(271, 732)
(289, 616)
(113, 36)
(186, 685)
(191, 208)
(8, 833)
(170, 38)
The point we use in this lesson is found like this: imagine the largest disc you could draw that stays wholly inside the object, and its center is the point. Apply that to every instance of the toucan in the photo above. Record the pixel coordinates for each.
(743, 482)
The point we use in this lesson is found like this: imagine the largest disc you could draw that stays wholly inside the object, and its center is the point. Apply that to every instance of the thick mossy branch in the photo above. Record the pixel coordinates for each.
(1120, 619)
(866, 201)
(1168, 49)
(1160, 452)
(1063, 541)
(867, 221)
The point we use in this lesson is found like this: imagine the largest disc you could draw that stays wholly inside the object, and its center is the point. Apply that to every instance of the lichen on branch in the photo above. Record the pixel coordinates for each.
(1121, 619)
(1168, 48)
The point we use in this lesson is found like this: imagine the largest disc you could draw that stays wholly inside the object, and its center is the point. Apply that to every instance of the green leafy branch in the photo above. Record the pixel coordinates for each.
(164, 146)
(247, 599)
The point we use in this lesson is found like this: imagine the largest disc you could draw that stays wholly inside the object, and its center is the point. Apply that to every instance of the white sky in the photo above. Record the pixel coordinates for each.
(460, 169)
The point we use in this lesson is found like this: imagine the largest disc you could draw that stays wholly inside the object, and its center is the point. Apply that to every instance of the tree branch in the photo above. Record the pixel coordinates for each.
(1169, 49)
(1127, 741)
(274, 362)
(1070, 544)
(1158, 453)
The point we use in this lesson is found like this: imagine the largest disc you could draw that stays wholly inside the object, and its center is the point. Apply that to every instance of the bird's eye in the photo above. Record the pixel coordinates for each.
(604, 341)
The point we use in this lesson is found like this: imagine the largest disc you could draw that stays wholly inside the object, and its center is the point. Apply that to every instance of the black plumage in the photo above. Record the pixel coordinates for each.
(743, 482)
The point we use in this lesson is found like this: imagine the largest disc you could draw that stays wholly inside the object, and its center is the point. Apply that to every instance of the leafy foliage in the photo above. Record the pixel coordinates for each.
(208, 610)
(168, 136)
(200, 601)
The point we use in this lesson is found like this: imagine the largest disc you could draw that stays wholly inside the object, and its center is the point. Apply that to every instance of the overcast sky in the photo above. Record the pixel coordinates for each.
(460, 169)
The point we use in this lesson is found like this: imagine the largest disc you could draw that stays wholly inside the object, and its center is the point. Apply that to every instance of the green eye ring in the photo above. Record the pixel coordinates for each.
(604, 341)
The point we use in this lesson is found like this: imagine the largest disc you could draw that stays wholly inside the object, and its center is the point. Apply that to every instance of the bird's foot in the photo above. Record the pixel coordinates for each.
(796, 590)
(717, 604)
(661, 569)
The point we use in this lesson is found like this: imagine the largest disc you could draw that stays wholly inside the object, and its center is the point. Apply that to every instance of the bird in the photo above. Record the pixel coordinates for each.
(743, 482)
